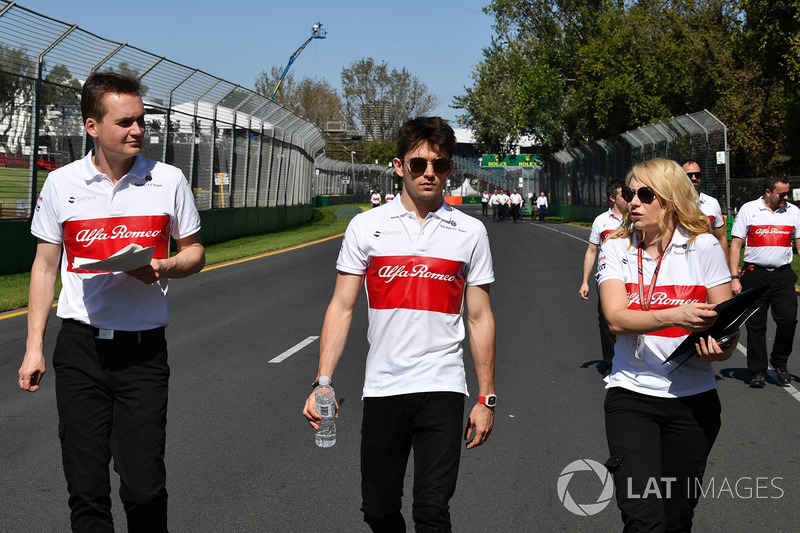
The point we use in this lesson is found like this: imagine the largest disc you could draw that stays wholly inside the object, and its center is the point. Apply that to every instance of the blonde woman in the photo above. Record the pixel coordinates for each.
(660, 275)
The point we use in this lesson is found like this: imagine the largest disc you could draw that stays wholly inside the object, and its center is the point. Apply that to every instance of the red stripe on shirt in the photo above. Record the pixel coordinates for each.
(769, 235)
(100, 238)
(414, 282)
(667, 297)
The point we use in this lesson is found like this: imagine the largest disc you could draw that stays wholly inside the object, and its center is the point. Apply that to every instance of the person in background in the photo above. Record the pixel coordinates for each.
(110, 358)
(708, 204)
(767, 227)
(485, 203)
(541, 206)
(414, 387)
(604, 224)
(660, 275)
(376, 198)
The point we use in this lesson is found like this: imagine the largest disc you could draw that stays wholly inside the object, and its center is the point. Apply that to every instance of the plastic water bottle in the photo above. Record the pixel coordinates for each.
(325, 399)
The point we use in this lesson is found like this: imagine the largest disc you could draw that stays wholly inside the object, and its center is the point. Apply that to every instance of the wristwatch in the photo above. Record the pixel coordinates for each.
(316, 384)
(490, 400)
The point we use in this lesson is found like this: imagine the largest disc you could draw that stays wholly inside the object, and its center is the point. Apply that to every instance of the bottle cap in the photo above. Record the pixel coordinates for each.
(324, 381)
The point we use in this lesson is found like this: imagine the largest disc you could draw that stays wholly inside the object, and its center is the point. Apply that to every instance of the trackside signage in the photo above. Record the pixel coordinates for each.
(512, 160)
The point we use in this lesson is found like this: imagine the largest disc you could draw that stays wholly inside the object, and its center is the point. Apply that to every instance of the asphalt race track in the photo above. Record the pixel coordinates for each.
(240, 457)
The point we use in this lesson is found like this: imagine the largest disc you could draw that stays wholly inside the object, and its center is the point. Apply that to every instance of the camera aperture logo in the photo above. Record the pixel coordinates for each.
(585, 509)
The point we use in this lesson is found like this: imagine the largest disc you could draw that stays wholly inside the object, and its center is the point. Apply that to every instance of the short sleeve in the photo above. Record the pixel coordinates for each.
(353, 259)
(712, 259)
(739, 228)
(45, 224)
(187, 219)
(481, 269)
(610, 260)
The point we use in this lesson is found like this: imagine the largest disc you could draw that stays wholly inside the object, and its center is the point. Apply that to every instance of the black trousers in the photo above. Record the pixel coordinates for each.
(484, 208)
(783, 301)
(607, 339)
(542, 213)
(659, 448)
(515, 212)
(431, 423)
(112, 402)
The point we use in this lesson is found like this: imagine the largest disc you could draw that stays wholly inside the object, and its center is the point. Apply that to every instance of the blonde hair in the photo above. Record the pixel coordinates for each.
(676, 194)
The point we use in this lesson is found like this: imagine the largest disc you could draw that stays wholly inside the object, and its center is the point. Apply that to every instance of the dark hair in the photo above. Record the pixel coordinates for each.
(690, 161)
(613, 185)
(434, 130)
(772, 179)
(100, 84)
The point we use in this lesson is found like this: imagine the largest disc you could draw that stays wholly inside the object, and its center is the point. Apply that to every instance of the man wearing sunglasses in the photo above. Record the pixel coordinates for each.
(708, 204)
(604, 225)
(767, 226)
(422, 262)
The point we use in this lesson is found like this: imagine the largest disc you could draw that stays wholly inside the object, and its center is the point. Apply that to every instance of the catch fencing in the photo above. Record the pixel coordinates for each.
(236, 147)
(578, 176)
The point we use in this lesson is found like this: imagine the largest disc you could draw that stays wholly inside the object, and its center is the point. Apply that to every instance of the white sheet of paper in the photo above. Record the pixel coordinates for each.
(129, 258)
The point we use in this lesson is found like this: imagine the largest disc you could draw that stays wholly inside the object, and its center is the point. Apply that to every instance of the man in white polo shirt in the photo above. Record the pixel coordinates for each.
(708, 204)
(767, 226)
(422, 262)
(110, 358)
(603, 226)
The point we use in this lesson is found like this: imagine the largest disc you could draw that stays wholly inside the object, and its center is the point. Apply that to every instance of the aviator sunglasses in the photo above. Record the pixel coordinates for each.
(419, 164)
(645, 194)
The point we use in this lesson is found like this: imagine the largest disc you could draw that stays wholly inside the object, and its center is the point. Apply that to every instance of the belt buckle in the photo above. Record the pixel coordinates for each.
(105, 334)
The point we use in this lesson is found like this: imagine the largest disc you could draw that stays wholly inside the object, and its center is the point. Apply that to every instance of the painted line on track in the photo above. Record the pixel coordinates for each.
(293, 350)
(558, 231)
(20, 312)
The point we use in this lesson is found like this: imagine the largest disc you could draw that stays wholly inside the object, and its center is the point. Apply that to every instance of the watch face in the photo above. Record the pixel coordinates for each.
(491, 400)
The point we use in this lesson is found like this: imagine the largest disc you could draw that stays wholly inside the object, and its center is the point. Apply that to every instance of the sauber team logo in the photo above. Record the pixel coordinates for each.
(415, 282)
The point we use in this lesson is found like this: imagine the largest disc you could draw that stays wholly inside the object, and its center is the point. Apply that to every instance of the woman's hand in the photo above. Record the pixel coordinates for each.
(709, 350)
(695, 317)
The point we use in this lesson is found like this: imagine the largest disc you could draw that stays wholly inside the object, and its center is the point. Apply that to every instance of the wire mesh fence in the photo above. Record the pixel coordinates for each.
(578, 176)
(236, 147)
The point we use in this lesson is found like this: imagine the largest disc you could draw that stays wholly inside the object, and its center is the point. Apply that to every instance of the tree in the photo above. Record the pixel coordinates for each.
(378, 100)
(17, 72)
(570, 71)
(312, 99)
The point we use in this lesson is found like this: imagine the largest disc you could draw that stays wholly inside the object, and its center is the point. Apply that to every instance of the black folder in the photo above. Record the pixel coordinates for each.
(733, 314)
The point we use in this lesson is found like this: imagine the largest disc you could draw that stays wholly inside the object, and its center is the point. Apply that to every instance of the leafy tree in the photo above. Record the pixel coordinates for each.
(17, 70)
(310, 98)
(378, 100)
(569, 71)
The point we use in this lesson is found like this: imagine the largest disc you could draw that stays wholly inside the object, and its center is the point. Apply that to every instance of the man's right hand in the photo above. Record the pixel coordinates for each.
(736, 286)
(31, 371)
(310, 411)
(584, 291)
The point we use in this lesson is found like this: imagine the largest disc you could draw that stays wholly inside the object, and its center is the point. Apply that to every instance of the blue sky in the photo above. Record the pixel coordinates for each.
(437, 40)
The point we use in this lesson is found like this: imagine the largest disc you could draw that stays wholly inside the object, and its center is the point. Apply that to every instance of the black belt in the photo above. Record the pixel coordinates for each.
(768, 269)
(136, 337)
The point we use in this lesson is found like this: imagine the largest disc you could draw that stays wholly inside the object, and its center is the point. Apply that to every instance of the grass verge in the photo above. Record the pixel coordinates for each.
(14, 287)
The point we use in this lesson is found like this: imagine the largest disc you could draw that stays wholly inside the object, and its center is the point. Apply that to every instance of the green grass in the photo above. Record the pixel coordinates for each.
(14, 287)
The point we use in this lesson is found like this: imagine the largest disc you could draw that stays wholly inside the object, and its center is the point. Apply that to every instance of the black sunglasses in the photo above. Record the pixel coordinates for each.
(694, 175)
(645, 194)
(418, 165)
(782, 195)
